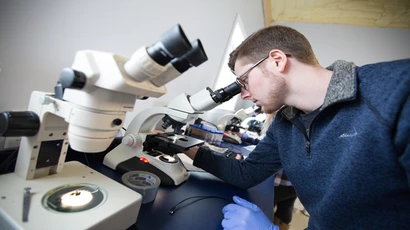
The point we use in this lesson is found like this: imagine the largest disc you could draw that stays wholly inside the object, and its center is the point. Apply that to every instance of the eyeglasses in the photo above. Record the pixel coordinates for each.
(241, 79)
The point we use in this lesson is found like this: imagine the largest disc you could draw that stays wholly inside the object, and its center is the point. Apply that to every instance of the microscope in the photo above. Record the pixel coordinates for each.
(85, 111)
(143, 149)
(235, 118)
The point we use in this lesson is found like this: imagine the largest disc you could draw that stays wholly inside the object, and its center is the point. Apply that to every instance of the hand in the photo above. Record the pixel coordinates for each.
(245, 215)
(191, 152)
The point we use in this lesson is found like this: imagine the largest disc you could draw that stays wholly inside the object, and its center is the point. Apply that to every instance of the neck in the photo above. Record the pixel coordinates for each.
(307, 86)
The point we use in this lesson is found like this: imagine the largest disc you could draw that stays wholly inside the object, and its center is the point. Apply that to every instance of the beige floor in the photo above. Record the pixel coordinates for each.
(299, 221)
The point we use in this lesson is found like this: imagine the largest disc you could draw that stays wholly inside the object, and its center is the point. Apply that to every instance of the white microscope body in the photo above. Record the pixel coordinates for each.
(98, 90)
(130, 154)
(180, 111)
(241, 115)
(258, 118)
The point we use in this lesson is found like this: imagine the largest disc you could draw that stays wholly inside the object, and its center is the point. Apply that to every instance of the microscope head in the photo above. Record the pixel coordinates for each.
(102, 86)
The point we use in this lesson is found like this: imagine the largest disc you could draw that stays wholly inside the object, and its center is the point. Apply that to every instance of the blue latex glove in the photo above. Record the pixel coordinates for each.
(245, 215)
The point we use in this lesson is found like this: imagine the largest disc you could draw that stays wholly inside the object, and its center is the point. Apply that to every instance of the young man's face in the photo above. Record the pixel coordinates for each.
(261, 85)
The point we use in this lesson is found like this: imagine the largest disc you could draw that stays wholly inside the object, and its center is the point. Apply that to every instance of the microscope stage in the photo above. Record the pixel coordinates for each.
(118, 207)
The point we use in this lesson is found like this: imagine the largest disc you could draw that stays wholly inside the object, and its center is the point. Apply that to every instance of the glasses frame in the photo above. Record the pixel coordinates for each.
(241, 78)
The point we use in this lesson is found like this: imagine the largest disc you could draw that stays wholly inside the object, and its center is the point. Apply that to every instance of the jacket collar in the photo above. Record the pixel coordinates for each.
(342, 87)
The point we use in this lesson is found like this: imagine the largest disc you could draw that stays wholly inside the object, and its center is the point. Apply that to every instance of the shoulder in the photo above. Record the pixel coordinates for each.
(385, 76)
(391, 70)
(385, 86)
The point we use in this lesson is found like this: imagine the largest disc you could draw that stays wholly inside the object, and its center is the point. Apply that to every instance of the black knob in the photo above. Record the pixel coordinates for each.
(117, 122)
(74, 79)
(17, 124)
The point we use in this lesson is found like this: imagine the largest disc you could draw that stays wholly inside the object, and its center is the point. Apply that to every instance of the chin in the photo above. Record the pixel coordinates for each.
(270, 109)
(266, 109)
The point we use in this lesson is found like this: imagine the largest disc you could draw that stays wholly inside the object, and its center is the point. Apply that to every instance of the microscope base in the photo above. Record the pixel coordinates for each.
(124, 158)
(135, 164)
(119, 210)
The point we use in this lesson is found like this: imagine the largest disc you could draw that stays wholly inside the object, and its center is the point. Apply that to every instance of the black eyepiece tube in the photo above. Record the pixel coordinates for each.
(175, 41)
(226, 93)
(172, 44)
(194, 57)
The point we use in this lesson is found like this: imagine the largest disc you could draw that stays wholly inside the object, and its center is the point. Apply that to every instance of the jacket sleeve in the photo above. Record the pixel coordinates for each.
(262, 162)
(402, 137)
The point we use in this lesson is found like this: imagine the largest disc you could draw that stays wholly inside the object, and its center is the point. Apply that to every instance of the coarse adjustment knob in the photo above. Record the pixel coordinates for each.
(17, 124)
(132, 140)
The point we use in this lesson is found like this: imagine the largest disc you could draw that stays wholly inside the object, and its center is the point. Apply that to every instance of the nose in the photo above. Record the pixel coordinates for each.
(245, 94)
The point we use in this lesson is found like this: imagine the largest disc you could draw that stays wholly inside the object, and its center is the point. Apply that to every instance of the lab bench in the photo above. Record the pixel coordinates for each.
(194, 213)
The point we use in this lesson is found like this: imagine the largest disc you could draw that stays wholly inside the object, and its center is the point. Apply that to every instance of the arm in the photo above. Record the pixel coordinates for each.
(261, 163)
(191, 152)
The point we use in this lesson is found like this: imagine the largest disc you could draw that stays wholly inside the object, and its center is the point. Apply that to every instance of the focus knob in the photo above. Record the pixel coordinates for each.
(17, 124)
(132, 140)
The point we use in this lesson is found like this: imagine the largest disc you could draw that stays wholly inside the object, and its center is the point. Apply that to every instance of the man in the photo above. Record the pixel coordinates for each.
(342, 135)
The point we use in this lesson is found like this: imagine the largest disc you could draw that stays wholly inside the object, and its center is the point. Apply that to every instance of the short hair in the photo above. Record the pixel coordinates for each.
(286, 39)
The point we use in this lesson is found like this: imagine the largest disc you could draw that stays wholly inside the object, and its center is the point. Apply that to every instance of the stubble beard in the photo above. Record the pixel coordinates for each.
(275, 96)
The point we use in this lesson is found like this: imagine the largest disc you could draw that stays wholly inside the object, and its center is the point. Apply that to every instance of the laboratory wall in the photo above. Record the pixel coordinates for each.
(39, 38)
(359, 44)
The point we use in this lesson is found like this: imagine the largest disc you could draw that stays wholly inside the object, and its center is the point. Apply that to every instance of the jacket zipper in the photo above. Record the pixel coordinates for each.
(302, 128)
(308, 147)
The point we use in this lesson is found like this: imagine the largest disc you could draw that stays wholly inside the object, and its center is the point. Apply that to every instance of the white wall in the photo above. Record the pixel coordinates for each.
(39, 38)
(360, 44)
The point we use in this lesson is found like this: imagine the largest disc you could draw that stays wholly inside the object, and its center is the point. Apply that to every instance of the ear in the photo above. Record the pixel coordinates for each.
(279, 58)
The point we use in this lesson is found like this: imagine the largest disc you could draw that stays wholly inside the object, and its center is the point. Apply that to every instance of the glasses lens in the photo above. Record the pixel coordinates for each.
(242, 83)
